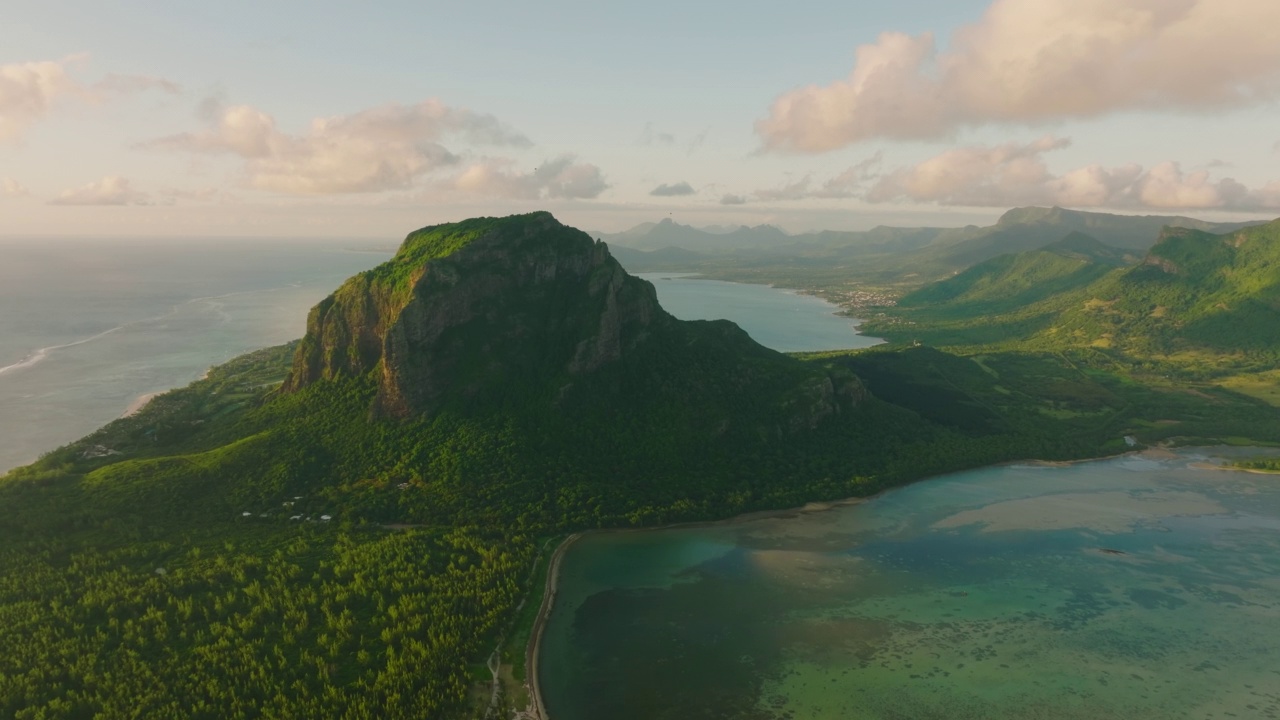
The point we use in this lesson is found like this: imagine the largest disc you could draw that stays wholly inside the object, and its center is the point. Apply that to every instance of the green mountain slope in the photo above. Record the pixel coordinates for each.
(1032, 228)
(1193, 292)
(1013, 281)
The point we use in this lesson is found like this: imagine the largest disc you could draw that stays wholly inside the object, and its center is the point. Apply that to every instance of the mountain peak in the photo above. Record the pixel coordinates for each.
(465, 307)
(1033, 214)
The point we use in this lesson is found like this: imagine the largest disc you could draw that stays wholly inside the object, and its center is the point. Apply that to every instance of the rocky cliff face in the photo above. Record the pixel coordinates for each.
(474, 312)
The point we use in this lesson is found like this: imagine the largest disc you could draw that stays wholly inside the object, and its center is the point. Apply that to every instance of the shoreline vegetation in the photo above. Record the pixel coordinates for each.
(537, 710)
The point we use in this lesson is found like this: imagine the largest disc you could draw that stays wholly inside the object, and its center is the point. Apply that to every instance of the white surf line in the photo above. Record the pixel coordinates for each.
(42, 353)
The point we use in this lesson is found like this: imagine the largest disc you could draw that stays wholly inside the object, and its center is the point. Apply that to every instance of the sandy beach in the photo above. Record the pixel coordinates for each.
(537, 709)
(140, 402)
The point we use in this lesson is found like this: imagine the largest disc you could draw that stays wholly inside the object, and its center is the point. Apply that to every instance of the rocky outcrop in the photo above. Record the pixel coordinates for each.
(476, 313)
(530, 298)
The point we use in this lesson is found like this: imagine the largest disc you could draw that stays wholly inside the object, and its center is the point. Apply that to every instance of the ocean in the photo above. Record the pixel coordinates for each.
(90, 327)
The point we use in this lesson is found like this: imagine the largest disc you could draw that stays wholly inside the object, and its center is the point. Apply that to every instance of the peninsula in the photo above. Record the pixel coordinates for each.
(345, 526)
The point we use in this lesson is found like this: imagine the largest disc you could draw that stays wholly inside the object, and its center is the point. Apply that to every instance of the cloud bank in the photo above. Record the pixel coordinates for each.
(12, 188)
(30, 90)
(1015, 174)
(1033, 61)
(558, 178)
(673, 190)
(110, 190)
(383, 148)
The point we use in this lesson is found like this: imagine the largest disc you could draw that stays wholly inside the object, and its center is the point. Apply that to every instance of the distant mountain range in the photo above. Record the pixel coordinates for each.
(926, 251)
(1216, 292)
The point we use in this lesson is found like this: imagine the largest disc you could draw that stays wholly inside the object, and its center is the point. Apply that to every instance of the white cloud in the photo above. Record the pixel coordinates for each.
(1032, 61)
(731, 199)
(30, 90)
(383, 148)
(1014, 174)
(110, 190)
(673, 190)
(560, 177)
(1003, 174)
(12, 188)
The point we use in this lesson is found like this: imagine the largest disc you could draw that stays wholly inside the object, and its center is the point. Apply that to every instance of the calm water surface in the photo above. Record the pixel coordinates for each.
(780, 319)
(1138, 587)
(89, 326)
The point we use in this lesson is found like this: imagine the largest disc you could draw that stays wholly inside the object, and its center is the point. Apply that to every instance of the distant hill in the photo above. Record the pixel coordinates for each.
(894, 252)
(1008, 282)
(1192, 290)
(670, 234)
(1023, 229)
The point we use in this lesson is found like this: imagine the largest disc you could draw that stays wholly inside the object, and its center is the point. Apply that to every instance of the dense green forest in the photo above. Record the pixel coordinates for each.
(256, 545)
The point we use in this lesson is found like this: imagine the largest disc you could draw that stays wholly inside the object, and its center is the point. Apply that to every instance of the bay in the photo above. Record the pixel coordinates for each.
(783, 320)
(1136, 587)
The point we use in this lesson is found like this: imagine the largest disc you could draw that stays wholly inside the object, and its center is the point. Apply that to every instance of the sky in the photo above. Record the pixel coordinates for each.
(304, 119)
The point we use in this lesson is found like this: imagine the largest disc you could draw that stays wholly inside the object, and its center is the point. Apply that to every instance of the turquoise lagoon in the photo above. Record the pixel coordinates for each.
(1146, 586)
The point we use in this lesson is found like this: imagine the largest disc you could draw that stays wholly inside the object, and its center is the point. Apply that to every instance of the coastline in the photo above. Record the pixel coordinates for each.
(140, 402)
(1232, 468)
(537, 710)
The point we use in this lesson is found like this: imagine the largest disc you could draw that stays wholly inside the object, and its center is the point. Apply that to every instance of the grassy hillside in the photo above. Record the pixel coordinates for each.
(1009, 282)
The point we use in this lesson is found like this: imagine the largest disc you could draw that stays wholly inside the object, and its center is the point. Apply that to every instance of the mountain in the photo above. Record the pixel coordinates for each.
(1193, 289)
(1193, 292)
(1013, 281)
(670, 234)
(469, 315)
(1032, 228)
(894, 254)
